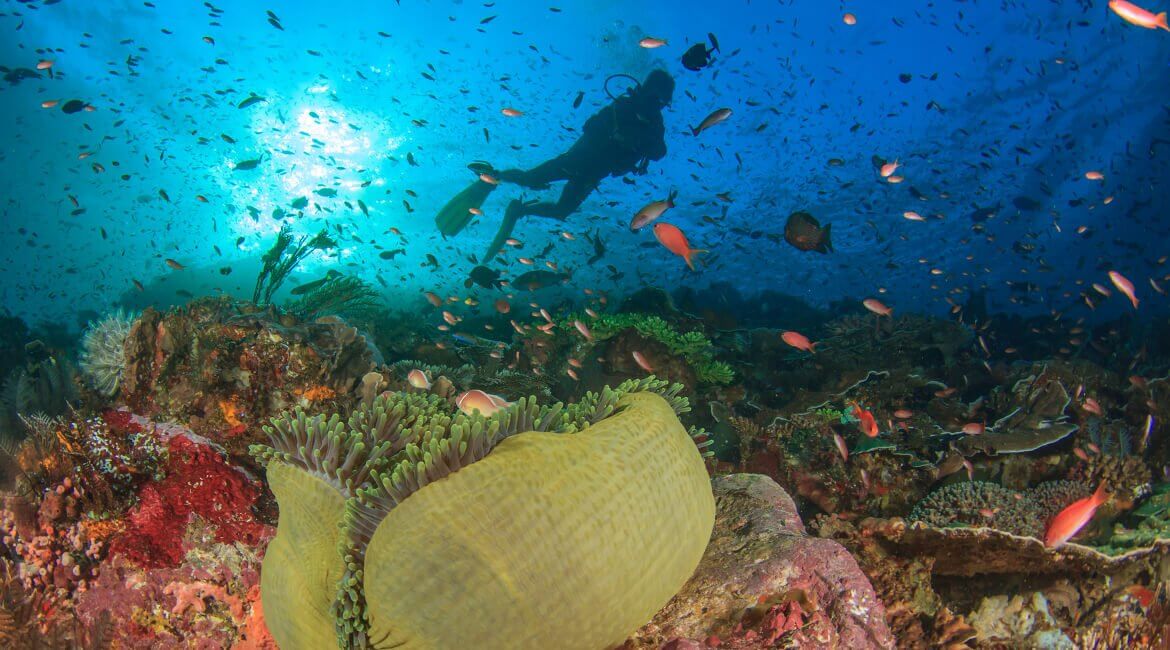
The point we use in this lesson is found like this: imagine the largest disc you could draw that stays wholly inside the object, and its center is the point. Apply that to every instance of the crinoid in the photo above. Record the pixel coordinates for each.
(103, 358)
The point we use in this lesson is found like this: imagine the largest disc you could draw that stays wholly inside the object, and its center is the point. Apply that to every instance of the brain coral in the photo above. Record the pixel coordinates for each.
(406, 526)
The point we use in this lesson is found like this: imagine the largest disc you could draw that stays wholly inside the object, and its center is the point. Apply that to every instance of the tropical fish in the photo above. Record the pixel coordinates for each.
(866, 423)
(805, 233)
(418, 379)
(583, 329)
(650, 42)
(717, 116)
(253, 99)
(309, 286)
(799, 341)
(539, 279)
(676, 242)
(698, 56)
(641, 361)
(652, 211)
(245, 165)
(477, 400)
(1124, 286)
(1135, 15)
(878, 307)
(484, 277)
(174, 265)
(1073, 518)
(511, 112)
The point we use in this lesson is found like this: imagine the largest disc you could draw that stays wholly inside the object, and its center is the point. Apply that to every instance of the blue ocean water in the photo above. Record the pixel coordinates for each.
(1003, 106)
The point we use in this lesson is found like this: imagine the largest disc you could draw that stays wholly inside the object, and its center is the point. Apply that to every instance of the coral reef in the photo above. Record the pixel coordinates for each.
(223, 368)
(103, 358)
(384, 466)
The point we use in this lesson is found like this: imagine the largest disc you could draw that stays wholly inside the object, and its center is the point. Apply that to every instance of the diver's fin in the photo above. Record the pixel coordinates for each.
(511, 216)
(455, 216)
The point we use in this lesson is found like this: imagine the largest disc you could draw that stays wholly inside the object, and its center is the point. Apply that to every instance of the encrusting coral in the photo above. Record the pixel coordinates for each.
(103, 358)
(442, 517)
(978, 503)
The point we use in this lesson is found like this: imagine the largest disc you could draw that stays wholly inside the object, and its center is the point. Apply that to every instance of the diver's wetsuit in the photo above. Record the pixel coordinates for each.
(620, 138)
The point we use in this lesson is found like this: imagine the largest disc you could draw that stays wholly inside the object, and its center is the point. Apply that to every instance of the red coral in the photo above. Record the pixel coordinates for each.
(121, 421)
(198, 482)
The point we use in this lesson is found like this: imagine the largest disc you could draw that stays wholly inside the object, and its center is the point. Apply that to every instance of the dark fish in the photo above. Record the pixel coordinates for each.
(309, 286)
(697, 57)
(300, 203)
(16, 75)
(533, 280)
(249, 101)
(1027, 203)
(72, 106)
(580, 97)
(484, 277)
(327, 192)
(983, 214)
(804, 232)
(598, 246)
(389, 255)
(245, 165)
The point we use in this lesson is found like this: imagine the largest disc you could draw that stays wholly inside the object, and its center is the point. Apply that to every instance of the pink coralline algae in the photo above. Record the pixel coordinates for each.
(198, 483)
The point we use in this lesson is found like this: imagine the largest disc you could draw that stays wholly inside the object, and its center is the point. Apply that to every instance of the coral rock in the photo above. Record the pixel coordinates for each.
(198, 482)
(761, 572)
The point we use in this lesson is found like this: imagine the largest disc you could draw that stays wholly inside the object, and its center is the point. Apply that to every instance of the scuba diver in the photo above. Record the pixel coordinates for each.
(619, 139)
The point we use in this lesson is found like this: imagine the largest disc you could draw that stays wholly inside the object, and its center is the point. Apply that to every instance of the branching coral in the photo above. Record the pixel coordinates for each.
(692, 346)
(103, 358)
(406, 479)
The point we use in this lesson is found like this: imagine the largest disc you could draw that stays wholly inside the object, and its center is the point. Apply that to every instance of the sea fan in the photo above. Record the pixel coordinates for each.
(102, 357)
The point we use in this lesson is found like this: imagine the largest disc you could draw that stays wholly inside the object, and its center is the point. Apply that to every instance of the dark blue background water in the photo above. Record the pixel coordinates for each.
(1032, 94)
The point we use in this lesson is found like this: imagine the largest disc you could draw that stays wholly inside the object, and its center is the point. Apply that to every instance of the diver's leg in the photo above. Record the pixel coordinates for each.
(574, 194)
(540, 176)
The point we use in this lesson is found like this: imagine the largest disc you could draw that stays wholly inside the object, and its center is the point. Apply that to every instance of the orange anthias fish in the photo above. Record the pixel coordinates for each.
(866, 423)
(876, 306)
(1124, 286)
(1135, 15)
(676, 242)
(1073, 518)
(799, 341)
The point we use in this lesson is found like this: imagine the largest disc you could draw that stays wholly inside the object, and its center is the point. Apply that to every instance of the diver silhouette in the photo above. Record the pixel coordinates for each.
(621, 138)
